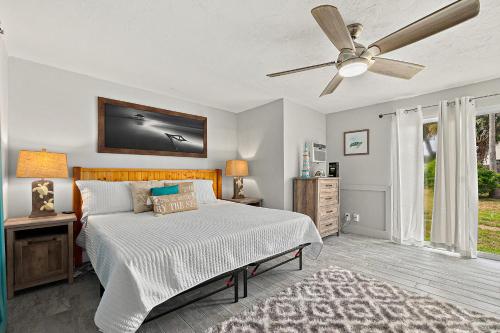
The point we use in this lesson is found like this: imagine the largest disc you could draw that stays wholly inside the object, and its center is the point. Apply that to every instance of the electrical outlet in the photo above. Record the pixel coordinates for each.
(355, 217)
(347, 217)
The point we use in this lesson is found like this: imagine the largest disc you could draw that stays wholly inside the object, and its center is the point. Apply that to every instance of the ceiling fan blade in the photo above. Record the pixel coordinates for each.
(395, 68)
(438, 21)
(332, 85)
(332, 24)
(301, 69)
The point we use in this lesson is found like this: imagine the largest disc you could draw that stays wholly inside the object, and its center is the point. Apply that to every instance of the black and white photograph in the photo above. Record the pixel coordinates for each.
(128, 128)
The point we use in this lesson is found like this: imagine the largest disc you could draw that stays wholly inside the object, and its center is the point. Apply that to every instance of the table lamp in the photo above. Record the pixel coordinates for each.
(42, 164)
(237, 169)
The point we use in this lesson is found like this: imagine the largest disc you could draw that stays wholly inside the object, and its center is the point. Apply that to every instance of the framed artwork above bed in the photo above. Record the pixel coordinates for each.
(128, 128)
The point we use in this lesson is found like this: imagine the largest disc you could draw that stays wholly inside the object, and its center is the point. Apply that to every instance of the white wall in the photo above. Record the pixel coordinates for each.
(365, 179)
(3, 119)
(272, 137)
(57, 110)
(260, 141)
(301, 125)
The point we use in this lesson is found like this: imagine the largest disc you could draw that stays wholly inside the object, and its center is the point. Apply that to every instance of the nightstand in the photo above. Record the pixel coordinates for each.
(247, 201)
(39, 250)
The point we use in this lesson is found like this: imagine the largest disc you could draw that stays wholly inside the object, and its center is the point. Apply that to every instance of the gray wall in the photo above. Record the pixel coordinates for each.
(365, 180)
(57, 110)
(272, 138)
(3, 119)
(260, 141)
(301, 125)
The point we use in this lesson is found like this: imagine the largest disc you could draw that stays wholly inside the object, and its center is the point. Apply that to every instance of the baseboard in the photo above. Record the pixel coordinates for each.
(364, 231)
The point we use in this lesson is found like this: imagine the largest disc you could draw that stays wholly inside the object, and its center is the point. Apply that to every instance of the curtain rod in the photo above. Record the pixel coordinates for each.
(436, 105)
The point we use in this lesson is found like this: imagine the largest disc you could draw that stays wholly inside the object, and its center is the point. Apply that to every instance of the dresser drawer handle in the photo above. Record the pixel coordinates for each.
(329, 211)
(328, 185)
(327, 225)
(329, 198)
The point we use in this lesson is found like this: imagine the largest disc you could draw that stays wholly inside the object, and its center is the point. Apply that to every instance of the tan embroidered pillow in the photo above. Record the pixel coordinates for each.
(140, 194)
(173, 203)
(184, 187)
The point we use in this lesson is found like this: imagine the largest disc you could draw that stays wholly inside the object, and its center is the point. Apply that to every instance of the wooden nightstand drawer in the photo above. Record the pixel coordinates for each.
(40, 260)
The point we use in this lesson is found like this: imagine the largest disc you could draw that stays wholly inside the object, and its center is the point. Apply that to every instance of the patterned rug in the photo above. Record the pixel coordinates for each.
(338, 300)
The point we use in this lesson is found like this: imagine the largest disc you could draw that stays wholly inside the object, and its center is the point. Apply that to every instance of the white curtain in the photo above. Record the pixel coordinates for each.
(407, 178)
(454, 217)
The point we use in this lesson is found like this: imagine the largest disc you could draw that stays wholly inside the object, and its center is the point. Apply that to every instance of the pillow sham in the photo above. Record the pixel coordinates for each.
(202, 187)
(140, 194)
(165, 190)
(173, 203)
(102, 197)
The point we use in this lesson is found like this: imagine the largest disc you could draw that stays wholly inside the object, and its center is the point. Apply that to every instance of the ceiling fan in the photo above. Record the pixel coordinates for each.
(355, 59)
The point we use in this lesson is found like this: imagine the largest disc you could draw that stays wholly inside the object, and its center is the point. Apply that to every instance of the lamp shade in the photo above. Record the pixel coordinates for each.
(236, 168)
(41, 164)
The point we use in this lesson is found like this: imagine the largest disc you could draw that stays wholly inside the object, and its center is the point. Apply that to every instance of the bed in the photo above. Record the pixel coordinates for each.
(142, 260)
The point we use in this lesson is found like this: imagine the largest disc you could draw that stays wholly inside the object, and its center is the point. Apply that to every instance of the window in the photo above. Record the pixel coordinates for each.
(430, 135)
(488, 154)
(488, 159)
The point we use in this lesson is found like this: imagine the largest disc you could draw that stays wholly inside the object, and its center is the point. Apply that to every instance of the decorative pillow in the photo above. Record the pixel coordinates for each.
(101, 197)
(184, 187)
(202, 187)
(165, 190)
(140, 194)
(173, 203)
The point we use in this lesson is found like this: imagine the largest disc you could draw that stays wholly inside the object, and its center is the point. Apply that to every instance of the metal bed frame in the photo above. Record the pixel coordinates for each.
(232, 282)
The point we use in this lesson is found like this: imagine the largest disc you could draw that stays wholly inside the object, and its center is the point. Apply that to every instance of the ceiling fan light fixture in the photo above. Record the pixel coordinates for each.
(353, 67)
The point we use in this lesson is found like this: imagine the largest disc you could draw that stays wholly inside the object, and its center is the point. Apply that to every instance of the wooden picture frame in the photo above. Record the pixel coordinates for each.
(116, 116)
(364, 147)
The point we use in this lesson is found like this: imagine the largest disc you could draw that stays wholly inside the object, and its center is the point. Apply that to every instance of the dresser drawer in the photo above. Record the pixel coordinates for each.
(329, 227)
(328, 212)
(328, 198)
(329, 223)
(328, 184)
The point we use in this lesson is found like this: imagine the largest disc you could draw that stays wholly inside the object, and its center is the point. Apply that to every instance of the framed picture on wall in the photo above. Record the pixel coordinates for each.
(357, 142)
(127, 128)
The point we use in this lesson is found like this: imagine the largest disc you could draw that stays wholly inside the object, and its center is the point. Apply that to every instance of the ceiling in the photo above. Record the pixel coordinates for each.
(218, 52)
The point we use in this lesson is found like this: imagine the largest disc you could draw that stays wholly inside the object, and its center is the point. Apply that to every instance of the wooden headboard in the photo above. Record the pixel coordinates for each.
(112, 174)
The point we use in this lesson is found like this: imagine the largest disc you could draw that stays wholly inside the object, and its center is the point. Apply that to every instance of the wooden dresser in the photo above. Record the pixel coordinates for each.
(318, 198)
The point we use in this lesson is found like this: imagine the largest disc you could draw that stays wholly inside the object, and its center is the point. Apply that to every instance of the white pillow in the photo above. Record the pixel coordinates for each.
(101, 197)
(202, 188)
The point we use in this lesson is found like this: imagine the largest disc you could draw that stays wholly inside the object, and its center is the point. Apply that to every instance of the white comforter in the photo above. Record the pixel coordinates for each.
(143, 260)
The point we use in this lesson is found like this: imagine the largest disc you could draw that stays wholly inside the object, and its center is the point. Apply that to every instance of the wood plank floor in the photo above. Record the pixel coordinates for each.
(473, 284)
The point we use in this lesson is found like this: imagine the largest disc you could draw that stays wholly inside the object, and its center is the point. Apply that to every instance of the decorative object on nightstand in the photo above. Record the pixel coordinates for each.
(247, 201)
(318, 198)
(42, 164)
(237, 169)
(39, 250)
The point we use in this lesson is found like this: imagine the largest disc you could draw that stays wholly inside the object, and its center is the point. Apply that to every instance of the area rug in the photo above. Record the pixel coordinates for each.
(338, 300)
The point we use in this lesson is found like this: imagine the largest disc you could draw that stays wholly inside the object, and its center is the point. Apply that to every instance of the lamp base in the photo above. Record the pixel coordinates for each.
(238, 188)
(42, 198)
